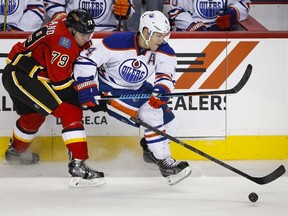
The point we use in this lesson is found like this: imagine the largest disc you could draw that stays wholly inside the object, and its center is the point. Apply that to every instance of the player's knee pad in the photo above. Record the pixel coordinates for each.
(151, 116)
(30, 122)
(172, 127)
(70, 115)
(161, 150)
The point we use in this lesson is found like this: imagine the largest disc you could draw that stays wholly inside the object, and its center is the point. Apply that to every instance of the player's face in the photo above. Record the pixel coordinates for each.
(81, 38)
(156, 40)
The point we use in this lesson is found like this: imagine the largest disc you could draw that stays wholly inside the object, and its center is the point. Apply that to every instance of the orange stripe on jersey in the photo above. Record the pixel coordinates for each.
(124, 109)
(163, 75)
(153, 134)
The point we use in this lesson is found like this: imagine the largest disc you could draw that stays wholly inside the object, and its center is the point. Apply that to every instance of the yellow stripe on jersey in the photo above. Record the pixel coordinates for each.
(29, 95)
(48, 87)
(17, 59)
(69, 141)
(74, 136)
(65, 85)
(33, 71)
(23, 137)
(19, 56)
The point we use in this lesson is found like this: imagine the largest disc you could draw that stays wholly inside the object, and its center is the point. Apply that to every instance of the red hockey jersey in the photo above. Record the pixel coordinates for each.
(54, 49)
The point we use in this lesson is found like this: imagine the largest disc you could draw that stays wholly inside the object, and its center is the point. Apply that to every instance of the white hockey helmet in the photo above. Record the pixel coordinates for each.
(154, 21)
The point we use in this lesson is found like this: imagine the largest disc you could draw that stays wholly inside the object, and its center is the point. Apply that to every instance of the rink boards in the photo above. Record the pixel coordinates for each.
(251, 124)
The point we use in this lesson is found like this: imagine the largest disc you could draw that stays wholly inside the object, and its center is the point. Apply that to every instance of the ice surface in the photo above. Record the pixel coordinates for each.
(135, 188)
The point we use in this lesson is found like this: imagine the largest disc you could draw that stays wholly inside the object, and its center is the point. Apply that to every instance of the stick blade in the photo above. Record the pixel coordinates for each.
(244, 79)
(270, 177)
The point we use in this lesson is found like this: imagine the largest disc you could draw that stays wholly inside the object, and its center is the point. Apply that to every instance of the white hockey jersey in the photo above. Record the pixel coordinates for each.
(185, 12)
(23, 15)
(101, 11)
(124, 65)
(125, 69)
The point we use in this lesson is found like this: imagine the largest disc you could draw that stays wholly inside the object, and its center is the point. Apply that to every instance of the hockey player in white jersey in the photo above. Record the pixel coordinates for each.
(20, 13)
(124, 62)
(106, 13)
(207, 15)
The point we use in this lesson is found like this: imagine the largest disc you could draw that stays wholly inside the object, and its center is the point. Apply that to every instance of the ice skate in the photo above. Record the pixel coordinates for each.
(84, 176)
(148, 155)
(174, 171)
(14, 157)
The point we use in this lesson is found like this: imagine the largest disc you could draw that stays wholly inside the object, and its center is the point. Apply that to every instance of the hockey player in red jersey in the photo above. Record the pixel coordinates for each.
(38, 78)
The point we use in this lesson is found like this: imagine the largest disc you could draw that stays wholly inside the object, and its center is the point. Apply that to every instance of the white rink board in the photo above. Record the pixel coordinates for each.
(259, 108)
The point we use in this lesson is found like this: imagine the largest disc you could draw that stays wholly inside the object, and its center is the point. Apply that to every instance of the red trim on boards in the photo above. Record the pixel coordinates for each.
(179, 35)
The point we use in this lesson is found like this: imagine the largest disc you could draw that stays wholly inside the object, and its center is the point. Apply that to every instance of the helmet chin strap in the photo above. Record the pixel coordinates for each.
(73, 31)
(146, 41)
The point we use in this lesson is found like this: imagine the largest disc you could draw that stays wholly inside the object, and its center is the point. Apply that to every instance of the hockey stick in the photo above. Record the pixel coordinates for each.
(259, 180)
(119, 23)
(233, 90)
(225, 5)
(5, 16)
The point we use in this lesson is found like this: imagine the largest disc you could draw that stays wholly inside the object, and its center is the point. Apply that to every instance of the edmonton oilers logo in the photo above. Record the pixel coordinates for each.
(95, 7)
(11, 7)
(133, 70)
(208, 9)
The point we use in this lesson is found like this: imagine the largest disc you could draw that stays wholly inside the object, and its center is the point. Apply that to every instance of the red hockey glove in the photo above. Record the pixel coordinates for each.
(122, 9)
(87, 90)
(197, 26)
(227, 18)
(155, 101)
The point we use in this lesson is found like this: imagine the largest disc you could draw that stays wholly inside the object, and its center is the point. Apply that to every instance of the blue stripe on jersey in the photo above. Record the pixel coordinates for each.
(105, 77)
(120, 40)
(84, 63)
(125, 40)
(165, 48)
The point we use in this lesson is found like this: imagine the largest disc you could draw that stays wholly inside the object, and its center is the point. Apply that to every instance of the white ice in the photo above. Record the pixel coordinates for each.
(134, 188)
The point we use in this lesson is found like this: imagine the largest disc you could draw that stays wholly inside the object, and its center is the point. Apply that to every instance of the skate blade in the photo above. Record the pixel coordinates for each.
(78, 182)
(174, 179)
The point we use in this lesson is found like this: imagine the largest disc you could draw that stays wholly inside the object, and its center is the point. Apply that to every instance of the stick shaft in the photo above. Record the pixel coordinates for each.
(5, 16)
(233, 90)
(259, 180)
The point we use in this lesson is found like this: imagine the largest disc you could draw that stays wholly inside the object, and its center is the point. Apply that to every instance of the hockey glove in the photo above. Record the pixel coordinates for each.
(227, 18)
(122, 9)
(87, 90)
(197, 26)
(102, 106)
(155, 101)
(9, 28)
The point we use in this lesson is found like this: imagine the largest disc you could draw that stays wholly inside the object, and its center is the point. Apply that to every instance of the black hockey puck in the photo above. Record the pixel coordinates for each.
(253, 197)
